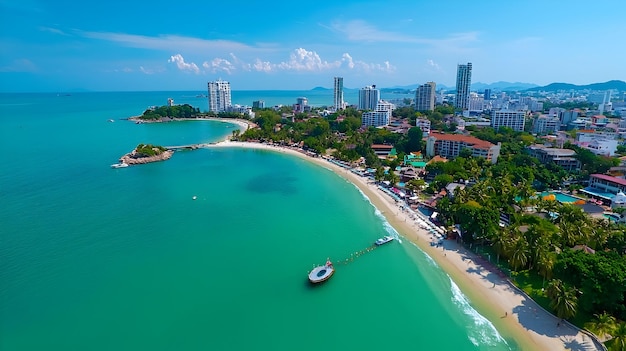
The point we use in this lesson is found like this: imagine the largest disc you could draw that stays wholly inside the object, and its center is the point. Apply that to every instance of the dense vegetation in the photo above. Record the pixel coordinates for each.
(148, 150)
(176, 111)
(537, 245)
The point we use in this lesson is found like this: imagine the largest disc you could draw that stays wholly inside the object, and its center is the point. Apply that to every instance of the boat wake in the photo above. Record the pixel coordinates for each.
(484, 333)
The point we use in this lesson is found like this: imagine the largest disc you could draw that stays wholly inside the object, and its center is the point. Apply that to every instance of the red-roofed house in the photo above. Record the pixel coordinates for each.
(450, 145)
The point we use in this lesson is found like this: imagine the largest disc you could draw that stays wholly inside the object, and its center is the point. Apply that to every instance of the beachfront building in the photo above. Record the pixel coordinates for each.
(258, 104)
(425, 97)
(463, 84)
(368, 98)
(219, 96)
(605, 188)
(515, 120)
(565, 158)
(450, 145)
(338, 102)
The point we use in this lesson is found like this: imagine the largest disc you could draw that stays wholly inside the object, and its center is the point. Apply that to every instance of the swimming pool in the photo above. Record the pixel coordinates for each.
(560, 197)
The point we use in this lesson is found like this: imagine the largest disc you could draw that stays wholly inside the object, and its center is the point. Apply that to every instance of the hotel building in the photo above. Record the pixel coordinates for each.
(463, 86)
(425, 97)
(515, 120)
(368, 98)
(604, 187)
(219, 96)
(450, 145)
(338, 103)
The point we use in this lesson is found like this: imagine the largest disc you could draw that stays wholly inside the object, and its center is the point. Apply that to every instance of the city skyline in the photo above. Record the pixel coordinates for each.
(63, 47)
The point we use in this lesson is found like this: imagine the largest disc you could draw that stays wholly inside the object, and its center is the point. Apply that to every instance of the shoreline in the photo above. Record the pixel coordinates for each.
(514, 315)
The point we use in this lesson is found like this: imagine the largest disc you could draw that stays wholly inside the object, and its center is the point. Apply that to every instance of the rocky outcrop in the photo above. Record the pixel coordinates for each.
(133, 159)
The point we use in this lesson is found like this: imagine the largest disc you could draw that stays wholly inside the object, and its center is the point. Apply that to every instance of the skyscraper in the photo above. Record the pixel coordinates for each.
(219, 96)
(338, 95)
(368, 98)
(463, 85)
(425, 97)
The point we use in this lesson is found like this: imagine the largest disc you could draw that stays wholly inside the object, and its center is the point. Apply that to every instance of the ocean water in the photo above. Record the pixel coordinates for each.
(94, 258)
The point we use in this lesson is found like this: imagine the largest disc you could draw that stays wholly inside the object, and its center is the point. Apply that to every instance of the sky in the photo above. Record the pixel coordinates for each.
(129, 45)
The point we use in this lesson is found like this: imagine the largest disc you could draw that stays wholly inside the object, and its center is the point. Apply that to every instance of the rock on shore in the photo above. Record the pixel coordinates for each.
(132, 158)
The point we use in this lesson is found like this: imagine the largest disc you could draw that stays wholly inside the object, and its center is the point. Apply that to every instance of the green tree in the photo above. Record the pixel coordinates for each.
(414, 142)
(563, 299)
(618, 343)
(602, 325)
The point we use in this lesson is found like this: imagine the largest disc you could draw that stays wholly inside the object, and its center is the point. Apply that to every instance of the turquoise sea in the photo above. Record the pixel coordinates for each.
(94, 258)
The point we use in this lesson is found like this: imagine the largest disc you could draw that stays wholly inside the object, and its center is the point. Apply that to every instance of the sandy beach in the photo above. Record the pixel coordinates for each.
(514, 314)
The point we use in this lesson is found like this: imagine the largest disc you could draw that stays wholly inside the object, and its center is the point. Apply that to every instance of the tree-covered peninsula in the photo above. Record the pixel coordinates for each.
(175, 111)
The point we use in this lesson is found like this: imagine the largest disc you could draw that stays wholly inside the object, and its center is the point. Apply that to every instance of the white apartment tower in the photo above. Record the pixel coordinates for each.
(513, 119)
(380, 116)
(338, 94)
(463, 86)
(425, 97)
(368, 98)
(219, 96)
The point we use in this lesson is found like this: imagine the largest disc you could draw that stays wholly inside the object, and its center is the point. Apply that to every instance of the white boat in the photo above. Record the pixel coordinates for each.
(119, 165)
(385, 239)
(321, 273)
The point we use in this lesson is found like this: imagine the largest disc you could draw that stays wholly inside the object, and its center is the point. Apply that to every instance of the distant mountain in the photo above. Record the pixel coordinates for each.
(320, 88)
(498, 86)
(610, 85)
(502, 86)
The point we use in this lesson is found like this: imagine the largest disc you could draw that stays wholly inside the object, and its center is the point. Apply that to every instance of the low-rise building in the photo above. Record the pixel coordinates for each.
(450, 145)
(604, 187)
(382, 150)
(561, 157)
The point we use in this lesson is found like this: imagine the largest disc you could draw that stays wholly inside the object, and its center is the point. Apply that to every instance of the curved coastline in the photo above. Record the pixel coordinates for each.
(513, 313)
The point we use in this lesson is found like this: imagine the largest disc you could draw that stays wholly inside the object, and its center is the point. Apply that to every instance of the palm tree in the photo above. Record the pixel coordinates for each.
(602, 325)
(519, 252)
(563, 300)
(618, 343)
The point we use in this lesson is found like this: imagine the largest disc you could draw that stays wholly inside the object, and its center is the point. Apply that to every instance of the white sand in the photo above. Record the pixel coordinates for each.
(513, 314)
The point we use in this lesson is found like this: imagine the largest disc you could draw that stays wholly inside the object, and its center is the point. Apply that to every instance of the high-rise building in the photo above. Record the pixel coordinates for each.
(380, 116)
(219, 96)
(368, 98)
(338, 94)
(487, 94)
(515, 120)
(258, 104)
(463, 86)
(425, 97)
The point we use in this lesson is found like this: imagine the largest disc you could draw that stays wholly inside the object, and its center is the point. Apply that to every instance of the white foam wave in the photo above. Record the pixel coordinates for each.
(484, 332)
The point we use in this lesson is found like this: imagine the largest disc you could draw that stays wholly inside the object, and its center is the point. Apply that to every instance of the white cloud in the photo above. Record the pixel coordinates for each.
(53, 30)
(262, 66)
(182, 65)
(300, 60)
(304, 60)
(358, 30)
(145, 70)
(219, 65)
(172, 42)
(433, 64)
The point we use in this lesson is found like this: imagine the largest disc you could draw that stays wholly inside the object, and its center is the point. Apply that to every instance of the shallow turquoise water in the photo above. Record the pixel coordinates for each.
(99, 258)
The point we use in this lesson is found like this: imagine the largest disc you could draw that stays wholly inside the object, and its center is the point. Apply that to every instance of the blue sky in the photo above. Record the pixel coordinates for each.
(114, 45)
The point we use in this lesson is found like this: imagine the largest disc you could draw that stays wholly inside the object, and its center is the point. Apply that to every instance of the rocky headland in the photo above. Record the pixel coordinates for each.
(146, 154)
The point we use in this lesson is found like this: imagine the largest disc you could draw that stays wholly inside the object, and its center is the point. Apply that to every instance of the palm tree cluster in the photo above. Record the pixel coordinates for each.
(581, 257)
